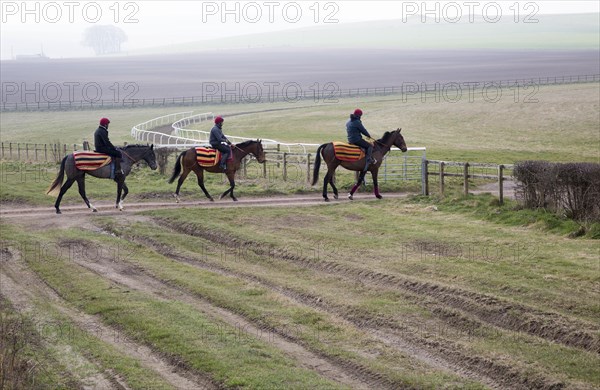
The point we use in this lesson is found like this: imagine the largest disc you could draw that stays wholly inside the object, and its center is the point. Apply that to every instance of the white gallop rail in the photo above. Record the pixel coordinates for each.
(179, 129)
(182, 137)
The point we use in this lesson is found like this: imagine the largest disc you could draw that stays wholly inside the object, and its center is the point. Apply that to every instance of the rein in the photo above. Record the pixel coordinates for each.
(131, 158)
(243, 151)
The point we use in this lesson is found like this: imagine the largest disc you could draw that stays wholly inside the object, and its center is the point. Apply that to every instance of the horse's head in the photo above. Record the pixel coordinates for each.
(143, 152)
(254, 148)
(259, 152)
(150, 158)
(399, 140)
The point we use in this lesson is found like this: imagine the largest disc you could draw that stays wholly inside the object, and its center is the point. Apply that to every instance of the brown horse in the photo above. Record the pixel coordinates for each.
(188, 161)
(380, 149)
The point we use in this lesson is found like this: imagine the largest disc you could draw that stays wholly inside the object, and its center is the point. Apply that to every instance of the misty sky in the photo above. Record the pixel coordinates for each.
(58, 26)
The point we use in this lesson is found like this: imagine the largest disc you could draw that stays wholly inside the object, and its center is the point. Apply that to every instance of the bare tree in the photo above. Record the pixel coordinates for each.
(104, 39)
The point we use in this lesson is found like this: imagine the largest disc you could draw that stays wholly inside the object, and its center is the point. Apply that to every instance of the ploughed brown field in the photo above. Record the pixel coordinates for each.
(274, 70)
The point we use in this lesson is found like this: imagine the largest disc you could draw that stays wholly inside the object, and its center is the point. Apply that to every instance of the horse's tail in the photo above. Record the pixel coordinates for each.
(57, 183)
(177, 169)
(317, 164)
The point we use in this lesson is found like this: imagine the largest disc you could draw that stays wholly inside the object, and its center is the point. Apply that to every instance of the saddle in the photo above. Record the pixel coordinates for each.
(209, 157)
(347, 152)
(90, 161)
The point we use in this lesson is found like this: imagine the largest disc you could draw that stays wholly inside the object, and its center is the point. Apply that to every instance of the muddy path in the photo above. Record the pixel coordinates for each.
(138, 279)
(22, 287)
(493, 310)
(442, 354)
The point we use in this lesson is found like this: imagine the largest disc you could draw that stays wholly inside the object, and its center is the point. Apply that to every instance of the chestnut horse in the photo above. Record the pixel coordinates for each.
(188, 161)
(380, 149)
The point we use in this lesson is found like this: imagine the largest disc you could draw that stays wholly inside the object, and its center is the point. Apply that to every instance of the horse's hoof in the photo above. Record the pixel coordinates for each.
(211, 199)
(379, 196)
(94, 210)
(176, 198)
(326, 199)
(335, 196)
(350, 197)
(58, 211)
(235, 199)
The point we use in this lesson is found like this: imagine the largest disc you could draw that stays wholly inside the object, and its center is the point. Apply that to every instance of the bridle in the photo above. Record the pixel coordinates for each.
(247, 153)
(131, 158)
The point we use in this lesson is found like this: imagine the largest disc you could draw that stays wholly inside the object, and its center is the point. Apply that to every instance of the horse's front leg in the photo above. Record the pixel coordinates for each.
(119, 203)
(125, 192)
(375, 185)
(231, 177)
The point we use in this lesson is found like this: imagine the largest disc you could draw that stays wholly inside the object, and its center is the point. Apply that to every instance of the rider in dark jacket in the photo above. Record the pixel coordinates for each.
(103, 145)
(355, 128)
(218, 141)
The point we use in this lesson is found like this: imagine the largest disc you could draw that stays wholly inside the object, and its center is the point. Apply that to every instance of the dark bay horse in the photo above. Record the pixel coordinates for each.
(380, 149)
(188, 161)
(131, 155)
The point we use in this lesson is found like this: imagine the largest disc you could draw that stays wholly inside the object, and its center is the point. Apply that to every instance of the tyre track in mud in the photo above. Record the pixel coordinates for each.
(441, 354)
(341, 371)
(491, 310)
(18, 279)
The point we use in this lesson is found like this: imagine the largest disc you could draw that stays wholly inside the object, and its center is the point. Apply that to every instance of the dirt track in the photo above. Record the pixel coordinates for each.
(107, 208)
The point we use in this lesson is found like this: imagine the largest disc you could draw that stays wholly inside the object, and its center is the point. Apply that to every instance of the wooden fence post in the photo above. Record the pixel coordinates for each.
(18, 151)
(466, 179)
(284, 166)
(27, 152)
(46, 152)
(500, 184)
(10, 149)
(36, 151)
(425, 177)
(265, 169)
(442, 178)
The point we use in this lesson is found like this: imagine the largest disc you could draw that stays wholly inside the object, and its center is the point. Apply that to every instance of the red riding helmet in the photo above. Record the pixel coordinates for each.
(219, 119)
(358, 112)
(104, 122)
